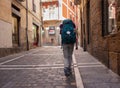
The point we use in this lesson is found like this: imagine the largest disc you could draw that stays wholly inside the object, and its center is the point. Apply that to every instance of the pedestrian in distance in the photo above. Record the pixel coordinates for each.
(68, 38)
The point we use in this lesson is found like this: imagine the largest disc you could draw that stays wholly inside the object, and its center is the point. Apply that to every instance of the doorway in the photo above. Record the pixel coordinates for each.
(35, 35)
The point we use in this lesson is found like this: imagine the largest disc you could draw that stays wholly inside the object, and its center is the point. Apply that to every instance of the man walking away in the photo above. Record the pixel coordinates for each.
(68, 36)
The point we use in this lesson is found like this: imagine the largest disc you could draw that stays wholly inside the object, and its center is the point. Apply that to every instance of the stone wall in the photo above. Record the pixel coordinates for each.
(5, 34)
(6, 46)
(8, 51)
(7, 10)
(5, 24)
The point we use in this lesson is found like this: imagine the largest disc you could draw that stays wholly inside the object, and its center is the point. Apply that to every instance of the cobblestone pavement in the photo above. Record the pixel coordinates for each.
(43, 68)
(94, 74)
(38, 68)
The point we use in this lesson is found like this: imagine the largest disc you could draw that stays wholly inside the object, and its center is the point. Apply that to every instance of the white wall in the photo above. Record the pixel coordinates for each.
(47, 14)
(58, 13)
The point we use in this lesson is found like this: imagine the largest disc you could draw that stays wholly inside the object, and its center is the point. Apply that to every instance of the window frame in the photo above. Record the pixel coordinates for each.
(34, 6)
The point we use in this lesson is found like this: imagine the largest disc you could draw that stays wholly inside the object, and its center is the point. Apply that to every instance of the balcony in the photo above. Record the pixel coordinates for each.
(48, 3)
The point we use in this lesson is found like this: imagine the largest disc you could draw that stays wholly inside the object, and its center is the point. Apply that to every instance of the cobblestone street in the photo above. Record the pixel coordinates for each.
(39, 68)
(59, 43)
(43, 68)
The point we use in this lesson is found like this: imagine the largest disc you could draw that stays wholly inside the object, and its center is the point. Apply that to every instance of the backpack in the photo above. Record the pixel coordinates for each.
(68, 33)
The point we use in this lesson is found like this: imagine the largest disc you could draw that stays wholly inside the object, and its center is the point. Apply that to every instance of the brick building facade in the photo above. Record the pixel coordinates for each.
(19, 25)
(100, 30)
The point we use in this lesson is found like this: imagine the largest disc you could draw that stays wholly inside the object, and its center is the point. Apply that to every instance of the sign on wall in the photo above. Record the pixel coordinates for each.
(52, 30)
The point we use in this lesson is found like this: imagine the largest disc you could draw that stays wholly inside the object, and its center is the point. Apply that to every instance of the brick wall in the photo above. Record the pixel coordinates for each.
(114, 52)
(104, 48)
(98, 45)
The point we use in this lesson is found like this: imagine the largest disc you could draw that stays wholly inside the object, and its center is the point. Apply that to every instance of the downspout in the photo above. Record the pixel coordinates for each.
(41, 23)
(83, 27)
(27, 45)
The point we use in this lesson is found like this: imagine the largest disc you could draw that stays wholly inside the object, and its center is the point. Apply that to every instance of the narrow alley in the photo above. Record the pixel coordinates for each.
(43, 68)
(33, 34)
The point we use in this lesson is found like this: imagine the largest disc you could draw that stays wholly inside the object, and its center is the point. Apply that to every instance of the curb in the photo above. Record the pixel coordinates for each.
(78, 78)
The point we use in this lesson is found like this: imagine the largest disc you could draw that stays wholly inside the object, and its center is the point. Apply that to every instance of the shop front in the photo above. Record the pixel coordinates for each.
(35, 35)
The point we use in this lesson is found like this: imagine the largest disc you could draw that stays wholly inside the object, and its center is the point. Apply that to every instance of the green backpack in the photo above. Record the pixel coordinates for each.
(68, 33)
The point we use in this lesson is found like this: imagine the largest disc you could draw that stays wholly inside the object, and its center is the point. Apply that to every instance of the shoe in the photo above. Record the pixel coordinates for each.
(70, 71)
(67, 71)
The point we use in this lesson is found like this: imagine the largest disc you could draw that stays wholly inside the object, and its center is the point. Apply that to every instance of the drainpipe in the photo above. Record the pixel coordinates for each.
(41, 23)
(83, 27)
(27, 45)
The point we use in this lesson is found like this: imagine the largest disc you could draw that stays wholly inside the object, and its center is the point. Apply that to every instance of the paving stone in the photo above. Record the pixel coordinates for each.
(18, 75)
(60, 87)
(27, 72)
(94, 76)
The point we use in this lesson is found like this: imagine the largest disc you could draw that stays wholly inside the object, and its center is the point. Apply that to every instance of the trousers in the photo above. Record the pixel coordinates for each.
(67, 52)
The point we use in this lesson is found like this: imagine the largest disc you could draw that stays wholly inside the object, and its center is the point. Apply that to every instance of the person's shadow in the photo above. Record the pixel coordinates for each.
(71, 81)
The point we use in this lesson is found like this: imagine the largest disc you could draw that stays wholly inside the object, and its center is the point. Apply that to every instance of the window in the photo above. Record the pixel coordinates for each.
(15, 7)
(109, 17)
(43, 9)
(34, 6)
(112, 17)
(88, 21)
(104, 5)
(35, 35)
(15, 25)
(73, 7)
(51, 12)
(70, 3)
(15, 31)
